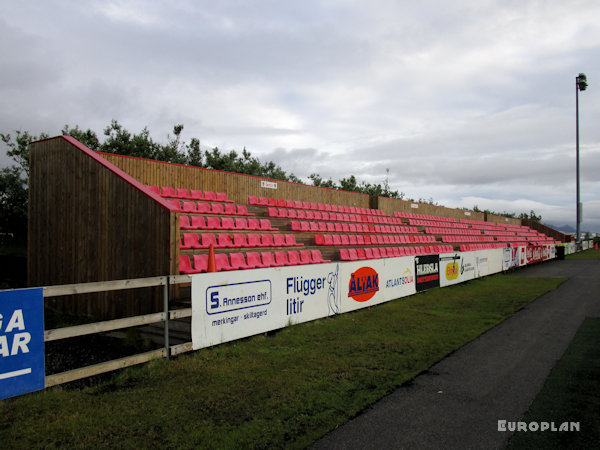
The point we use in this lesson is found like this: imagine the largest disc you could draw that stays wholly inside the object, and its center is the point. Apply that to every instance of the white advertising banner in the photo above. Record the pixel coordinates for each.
(457, 267)
(489, 261)
(370, 282)
(237, 304)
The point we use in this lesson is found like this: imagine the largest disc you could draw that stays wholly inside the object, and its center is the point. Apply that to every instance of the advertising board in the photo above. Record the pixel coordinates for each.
(21, 342)
(237, 304)
(427, 272)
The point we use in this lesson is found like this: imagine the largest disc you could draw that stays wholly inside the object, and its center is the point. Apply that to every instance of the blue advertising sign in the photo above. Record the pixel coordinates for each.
(21, 342)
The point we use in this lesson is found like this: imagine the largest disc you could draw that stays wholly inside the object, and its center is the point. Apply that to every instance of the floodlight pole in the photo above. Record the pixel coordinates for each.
(580, 85)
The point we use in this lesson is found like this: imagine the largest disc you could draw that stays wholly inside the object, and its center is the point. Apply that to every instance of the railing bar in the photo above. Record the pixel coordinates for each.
(108, 366)
(99, 327)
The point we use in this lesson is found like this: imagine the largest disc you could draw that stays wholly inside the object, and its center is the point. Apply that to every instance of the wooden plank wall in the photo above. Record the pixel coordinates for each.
(86, 224)
(558, 235)
(391, 205)
(237, 186)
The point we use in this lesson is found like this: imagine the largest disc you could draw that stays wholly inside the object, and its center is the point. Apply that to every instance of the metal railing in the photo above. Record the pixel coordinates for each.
(117, 324)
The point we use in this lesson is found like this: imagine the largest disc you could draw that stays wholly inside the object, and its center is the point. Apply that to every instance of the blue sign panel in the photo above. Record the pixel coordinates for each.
(21, 342)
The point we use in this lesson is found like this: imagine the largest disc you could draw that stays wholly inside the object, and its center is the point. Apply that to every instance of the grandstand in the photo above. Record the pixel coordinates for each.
(98, 217)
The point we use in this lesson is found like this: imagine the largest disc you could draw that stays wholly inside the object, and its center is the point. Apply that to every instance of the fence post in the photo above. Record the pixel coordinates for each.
(166, 308)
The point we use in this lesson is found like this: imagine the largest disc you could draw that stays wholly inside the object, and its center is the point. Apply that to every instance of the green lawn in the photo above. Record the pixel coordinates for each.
(588, 254)
(571, 394)
(285, 389)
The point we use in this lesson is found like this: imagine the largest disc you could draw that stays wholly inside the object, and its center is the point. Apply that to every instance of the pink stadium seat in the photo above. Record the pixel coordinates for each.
(184, 223)
(305, 257)
(253, 224)
(268, 260)
(198, 223)
(183, 193)
(330, 227)
(289, 203)
(319, 239)
(222, 262)
(201, 263)
(267, 240)
(224, 241)
(313, 226)
(345, 239)
(278, 240)
(252, 200)
(322, 226)
(241, 223)
(305, 205)
(294, 258)
(239, 240)
(369, 253)
(184, 264)
(175, 205)
(242, 210)
(168, 191)
(360, 253)
(189, 206)
(195, 194)
(310, 215)
(227, 223)
(301, 214)
(207, 239)
(203, 208)
(383, 252)
(238, 261)
(253, 240)
(295, 225)
(265, 225)
(190, 240)
(290, 241)
(344, 255)
(154, 189)
(336, 239)
(282, 258)
(210, 196)
(217, 208)
(376, 253)
(222, 197)
(297, 204)
(253, 260)
(230, 209)
(272, 202)
(213, 223)
(263, 201)
(317, 257)
(273, 212)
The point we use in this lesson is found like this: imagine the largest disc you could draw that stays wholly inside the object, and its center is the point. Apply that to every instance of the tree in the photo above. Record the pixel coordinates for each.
(19, 148)
(13, 207)
(88, 137)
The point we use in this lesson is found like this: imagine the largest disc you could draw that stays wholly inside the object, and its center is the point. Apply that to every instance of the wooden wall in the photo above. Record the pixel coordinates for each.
(559, 236)
(237, 186)
(391, 205)
(89, 223)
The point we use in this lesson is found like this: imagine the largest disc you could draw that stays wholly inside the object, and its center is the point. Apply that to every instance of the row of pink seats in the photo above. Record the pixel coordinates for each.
(210, 208)
(192, 194)
(237, 240)
(497, 232)
(473, 247)
(343, 227)
(423, 217)
(358, 254)
(250, 260)
(224, 223)
(462, 232)
(430, 223)
(359, 239)
(457, 239)
(297, 204)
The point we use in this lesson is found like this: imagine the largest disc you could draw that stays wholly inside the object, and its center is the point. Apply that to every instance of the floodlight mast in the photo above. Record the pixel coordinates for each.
(580, 85)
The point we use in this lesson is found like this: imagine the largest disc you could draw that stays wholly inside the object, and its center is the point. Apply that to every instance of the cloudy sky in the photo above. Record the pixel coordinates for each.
(465, 102)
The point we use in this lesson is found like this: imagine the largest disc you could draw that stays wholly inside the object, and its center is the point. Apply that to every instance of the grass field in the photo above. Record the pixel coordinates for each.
(588, 254)
(571, 394)
(284, 389)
